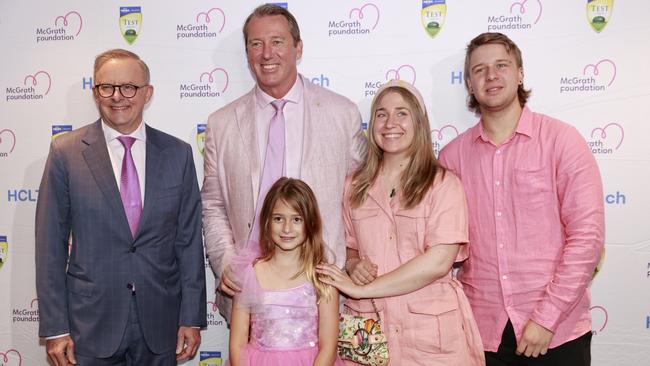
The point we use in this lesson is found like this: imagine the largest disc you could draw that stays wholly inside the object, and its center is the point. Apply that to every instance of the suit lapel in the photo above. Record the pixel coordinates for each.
(153, 167)
(99, 164)
(310, 129)
(248, 133)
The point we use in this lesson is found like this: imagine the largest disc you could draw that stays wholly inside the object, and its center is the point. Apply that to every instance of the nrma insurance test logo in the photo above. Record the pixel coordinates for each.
(360, 20)
(210, 84)
(403, 72)
(26, 314)
(59, 130)
(130, 22)
(517, 15)
(606, 139)
(7, 142)
(205, 25)
(210, 358)
(11, 357)
(433, 16)
(65, 27)
(598, 13)
(34, 87)
(594, 77)
(200, 136)
(4, 250)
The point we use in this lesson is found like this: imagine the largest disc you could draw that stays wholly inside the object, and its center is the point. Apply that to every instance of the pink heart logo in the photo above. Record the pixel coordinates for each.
(38, 76)
(609, 69)
(15, 355)
(616, 134)
(212, 306)
(208, 19)
(439, 134)
(64, 19)
(522, 9)
(7, 140)
(404, 72)
(359, 13)
(605, 316)
(211, 77)
(32, 303)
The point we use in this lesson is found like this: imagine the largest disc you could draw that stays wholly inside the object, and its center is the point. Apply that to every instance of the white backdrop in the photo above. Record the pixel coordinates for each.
(595, 78)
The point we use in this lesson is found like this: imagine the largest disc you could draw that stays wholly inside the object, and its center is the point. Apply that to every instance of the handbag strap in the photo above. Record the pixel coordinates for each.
(374, 306)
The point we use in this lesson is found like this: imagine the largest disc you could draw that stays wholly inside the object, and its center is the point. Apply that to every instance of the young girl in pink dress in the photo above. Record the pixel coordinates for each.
(284, 314)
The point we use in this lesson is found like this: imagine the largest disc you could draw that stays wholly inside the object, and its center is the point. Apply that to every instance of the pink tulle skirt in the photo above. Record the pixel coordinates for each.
(254, 356)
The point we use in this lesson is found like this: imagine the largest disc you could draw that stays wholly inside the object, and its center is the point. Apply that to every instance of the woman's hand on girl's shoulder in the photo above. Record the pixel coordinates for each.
(334, 276)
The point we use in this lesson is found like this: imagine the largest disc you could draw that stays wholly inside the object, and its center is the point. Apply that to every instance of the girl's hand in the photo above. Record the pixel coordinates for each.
(363, 271)
(334, 276)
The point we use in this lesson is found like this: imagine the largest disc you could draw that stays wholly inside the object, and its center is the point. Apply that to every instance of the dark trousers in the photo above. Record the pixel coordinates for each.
(133, 350)
(573, 353)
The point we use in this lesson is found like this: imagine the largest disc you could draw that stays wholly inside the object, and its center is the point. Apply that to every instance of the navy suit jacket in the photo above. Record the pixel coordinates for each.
(82, 290)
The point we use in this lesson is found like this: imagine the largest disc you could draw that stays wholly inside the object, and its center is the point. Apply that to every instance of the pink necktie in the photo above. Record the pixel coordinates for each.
(274, 162)
(130, 186)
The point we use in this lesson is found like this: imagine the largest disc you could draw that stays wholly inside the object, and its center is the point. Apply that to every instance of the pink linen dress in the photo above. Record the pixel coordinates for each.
(433, 325)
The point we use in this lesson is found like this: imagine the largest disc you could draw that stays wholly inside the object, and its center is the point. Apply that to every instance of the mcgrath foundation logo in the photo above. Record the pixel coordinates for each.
(442, 136)
(207, 25)
(599, 12)
(210, 358)
(130, 22)
(26, 314)
(210, 84)
(60, 130)
(200, 136)
(214, 318)
(4, 250)
(11, 357)
(360, 20)
(7, 142)
(595, 77)
(607, 139)
(405, 73)
(66, 28)
(519, 15)
(599, 318)
(433, 16)
(34, 87)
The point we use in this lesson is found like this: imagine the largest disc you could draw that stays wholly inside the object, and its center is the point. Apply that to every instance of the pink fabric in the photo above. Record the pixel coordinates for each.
(433, 325)
(283, 323)
(536, 227)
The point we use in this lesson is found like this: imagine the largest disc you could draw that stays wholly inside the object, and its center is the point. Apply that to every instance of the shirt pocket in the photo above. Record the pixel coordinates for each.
(411, 226)
(533, 187)
(366, 230)
(434, 324)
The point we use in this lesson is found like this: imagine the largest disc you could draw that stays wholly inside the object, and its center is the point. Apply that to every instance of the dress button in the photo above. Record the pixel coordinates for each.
(498, 213)
(498, 151)
(497, 183)
(504, 277)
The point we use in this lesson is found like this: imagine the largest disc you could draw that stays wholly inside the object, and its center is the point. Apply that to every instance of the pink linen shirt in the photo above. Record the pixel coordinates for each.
(433, 325)
(536, 221)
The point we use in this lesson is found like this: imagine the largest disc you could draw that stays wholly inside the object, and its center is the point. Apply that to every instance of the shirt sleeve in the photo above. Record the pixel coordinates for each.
(448, 221)
(350, 237)
(580, 195)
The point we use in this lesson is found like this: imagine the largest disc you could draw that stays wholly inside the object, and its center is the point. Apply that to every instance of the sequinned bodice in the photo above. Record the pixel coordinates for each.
(285, 319)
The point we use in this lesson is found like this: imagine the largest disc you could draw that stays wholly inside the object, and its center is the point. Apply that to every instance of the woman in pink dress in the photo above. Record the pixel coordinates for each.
(284, 315)
(406, 226)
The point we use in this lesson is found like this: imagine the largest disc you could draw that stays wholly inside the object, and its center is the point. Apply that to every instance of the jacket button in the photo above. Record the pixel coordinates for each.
(132, 250)
(129, 286)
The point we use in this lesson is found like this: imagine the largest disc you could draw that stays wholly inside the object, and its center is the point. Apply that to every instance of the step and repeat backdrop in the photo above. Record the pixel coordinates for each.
(586, 62)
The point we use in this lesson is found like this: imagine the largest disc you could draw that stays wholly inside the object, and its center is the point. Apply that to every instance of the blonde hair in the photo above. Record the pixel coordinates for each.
(423, 166)
(297, 195)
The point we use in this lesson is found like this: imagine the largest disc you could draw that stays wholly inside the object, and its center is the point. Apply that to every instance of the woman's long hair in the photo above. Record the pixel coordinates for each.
(297, 195)
(422, 168)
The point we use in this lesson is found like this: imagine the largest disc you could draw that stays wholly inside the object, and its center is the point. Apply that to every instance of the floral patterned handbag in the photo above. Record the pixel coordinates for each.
(361, 339)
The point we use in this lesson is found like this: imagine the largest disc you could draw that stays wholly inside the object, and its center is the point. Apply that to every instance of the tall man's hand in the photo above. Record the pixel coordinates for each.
(188, 342)
(60, 351)
(535, 340)
(229, 283)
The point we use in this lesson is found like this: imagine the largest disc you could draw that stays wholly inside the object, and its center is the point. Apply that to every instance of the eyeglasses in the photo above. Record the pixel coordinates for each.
(127, 90)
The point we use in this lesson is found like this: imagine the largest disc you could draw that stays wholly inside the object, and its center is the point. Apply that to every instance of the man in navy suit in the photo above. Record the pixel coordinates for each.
(130, 288)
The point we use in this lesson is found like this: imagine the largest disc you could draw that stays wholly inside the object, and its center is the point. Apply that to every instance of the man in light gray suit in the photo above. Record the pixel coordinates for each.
(130, 288)
(324, 142)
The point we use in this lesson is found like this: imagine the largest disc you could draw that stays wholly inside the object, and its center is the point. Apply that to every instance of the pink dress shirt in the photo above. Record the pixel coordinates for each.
(536, 221)
(433, 325)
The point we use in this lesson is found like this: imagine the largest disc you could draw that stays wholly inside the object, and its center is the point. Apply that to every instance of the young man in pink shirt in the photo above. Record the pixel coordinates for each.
(536, 217)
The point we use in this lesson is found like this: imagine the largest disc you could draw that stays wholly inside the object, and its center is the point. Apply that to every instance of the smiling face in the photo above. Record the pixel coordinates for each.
(494, 78)
(392, 126)
(287, 227)
(272, 54)
(120, 113)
